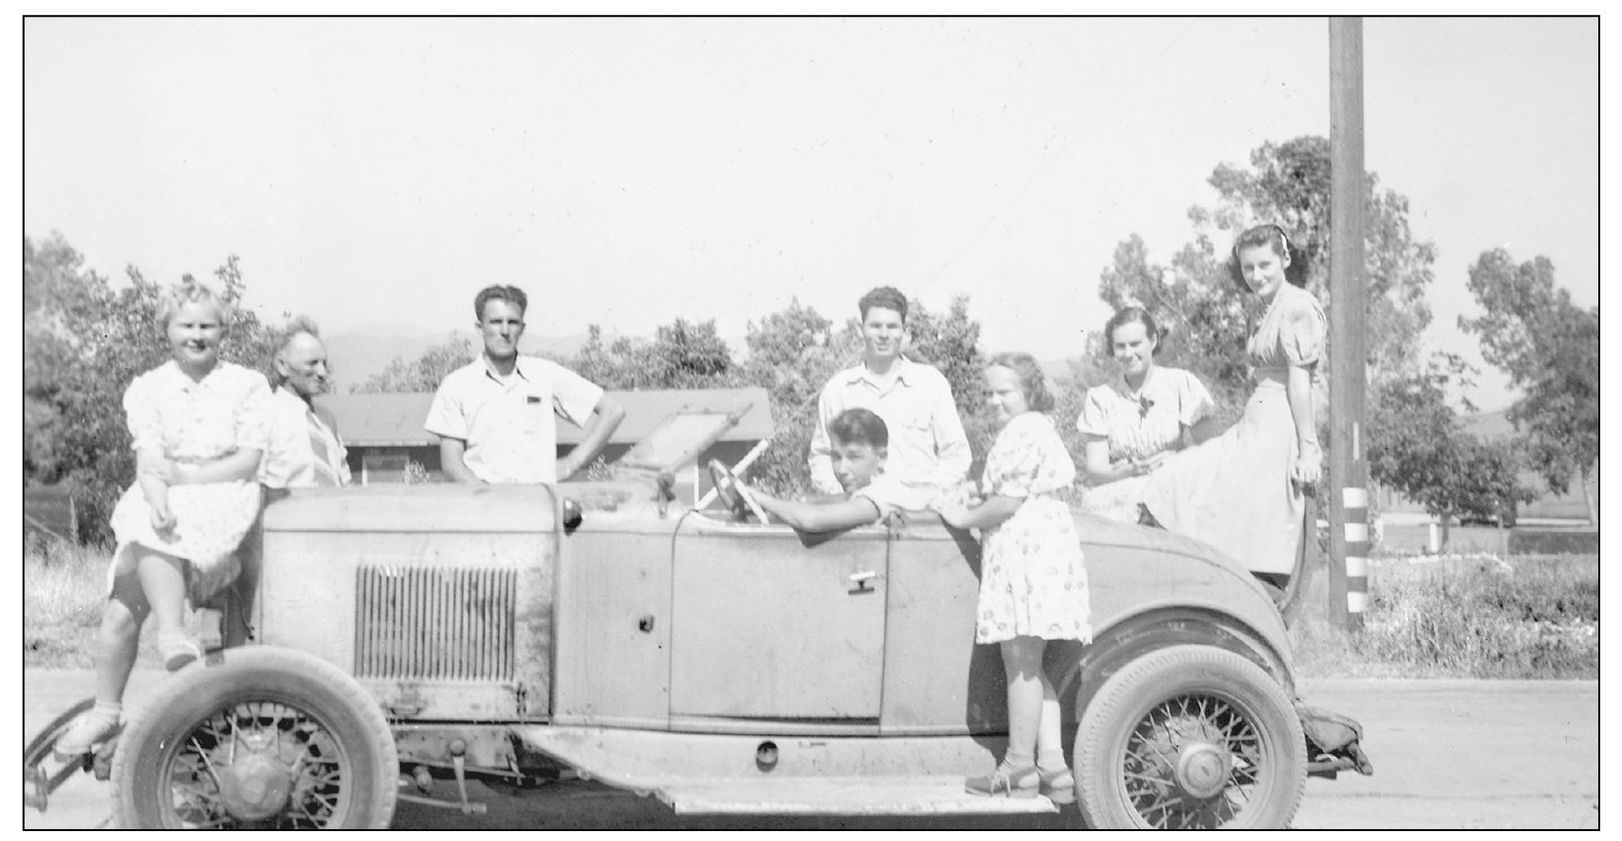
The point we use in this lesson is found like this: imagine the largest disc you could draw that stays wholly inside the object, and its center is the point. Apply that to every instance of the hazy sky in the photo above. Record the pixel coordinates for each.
(375, 173)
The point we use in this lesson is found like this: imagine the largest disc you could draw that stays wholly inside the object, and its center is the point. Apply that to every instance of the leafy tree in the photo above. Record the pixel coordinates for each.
(83, 343)
(1418, 447)
(423, 373)
(792, 353)
(1208, 315)
(1289, 183)
(951, 343)
(682, 354)
(689, 355)
(1550, 348)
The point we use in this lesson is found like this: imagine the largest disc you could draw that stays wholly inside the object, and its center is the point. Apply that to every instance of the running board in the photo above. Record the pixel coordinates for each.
(841, 796)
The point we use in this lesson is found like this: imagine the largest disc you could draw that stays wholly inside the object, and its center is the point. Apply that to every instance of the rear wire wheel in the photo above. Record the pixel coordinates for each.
(1189, 737)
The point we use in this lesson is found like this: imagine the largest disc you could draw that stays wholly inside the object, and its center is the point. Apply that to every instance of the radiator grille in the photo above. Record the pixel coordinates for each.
(430, 623)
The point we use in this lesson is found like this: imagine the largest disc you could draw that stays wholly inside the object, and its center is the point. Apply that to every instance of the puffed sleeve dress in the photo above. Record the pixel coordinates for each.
(1138, 423)
(194, 422)
(1032, 581)
(1234, 491)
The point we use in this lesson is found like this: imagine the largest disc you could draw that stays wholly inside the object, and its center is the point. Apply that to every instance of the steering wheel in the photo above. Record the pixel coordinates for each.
(734, 494)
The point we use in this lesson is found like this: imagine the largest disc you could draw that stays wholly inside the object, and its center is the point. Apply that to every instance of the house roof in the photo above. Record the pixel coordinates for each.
(396, 419)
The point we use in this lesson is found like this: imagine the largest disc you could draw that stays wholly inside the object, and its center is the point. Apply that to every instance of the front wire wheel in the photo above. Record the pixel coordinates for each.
(259, 764)
(1190, 737)
(258, 738)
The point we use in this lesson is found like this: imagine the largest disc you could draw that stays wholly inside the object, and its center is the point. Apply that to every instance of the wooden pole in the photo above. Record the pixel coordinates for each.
(1348, 496)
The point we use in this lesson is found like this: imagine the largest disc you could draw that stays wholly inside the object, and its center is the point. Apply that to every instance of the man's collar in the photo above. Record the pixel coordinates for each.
(490, 368)
(898, 371)
(283, 392)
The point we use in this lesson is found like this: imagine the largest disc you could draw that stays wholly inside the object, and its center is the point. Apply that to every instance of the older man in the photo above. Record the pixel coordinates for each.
(304, 448)
(496, 417)
(928, 450)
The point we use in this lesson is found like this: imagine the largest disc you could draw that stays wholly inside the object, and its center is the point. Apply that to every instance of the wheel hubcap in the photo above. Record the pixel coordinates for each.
(255, 788)
(1202, 769)
(258, 764)
(1192, 762)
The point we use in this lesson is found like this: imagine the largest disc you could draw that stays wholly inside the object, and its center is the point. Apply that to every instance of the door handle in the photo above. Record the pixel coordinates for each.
(863, 581)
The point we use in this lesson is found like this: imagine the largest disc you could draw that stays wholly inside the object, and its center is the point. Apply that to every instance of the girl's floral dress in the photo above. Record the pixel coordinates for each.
(194, 422)
(1032, 581)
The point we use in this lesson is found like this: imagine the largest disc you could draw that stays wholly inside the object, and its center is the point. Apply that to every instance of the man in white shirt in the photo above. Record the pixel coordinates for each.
(928, 451)
(496, 417)
(304, 448)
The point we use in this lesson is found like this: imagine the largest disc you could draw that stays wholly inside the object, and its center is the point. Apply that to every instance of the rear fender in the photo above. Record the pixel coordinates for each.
(1137, 635)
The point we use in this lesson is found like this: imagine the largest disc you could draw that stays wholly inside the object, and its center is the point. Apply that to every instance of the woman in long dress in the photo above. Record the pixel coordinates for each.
(1134, 422)
(1242, 491)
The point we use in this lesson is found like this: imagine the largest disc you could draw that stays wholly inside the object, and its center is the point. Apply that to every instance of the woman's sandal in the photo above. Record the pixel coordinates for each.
(1058, 785)
(1005, 782)
(176, 650)
(94, 727)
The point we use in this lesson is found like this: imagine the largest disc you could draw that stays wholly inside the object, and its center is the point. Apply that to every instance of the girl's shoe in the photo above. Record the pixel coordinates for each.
(176, 649)
(94, 727)
(1005, 782)
(1058, 785)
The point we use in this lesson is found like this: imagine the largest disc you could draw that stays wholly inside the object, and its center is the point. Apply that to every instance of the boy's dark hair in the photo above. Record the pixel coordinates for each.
(859, 426)
(887, 297)
(511, 294)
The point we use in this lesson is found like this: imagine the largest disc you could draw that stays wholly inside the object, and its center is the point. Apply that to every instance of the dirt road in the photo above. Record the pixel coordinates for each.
(1447, 753)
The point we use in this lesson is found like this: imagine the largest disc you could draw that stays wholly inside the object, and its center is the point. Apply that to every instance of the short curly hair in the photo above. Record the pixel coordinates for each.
(190, 290)
(497, 292)
(887, 297)
(1032, 382)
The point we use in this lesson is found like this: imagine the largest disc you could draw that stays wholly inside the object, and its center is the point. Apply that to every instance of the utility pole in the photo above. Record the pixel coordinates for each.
(1348, 295)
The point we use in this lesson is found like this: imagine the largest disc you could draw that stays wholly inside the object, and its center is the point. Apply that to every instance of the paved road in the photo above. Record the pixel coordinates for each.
(1447, 753)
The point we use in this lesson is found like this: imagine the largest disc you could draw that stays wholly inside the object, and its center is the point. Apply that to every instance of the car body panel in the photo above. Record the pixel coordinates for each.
(765, 628)
(436, 599)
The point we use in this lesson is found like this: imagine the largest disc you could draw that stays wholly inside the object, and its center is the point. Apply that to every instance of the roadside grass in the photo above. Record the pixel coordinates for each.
(1531, 617)
(64, 588)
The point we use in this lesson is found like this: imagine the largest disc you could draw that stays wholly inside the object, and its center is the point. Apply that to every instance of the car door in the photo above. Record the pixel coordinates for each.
(767, 624)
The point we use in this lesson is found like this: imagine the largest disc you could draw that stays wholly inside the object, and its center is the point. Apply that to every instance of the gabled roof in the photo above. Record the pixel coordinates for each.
(396, 419)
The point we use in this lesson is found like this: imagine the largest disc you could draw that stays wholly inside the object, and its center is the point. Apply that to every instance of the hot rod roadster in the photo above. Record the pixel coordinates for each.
(403, 634)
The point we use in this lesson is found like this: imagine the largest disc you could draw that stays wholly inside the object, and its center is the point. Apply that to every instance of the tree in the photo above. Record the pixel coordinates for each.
(424, 373)
(951, 343)
(1289, 184)
(683, 354)
(792, 353)
(1198, 297)
(1550, 348)
(1418, 447)
(83, 343)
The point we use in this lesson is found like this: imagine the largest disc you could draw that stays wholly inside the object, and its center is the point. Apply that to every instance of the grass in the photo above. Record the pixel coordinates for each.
(1533, 617)
(64, 588)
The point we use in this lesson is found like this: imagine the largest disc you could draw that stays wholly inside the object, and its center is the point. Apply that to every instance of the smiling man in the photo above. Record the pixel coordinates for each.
(928, 451)
(304, 449)
(496, 416)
